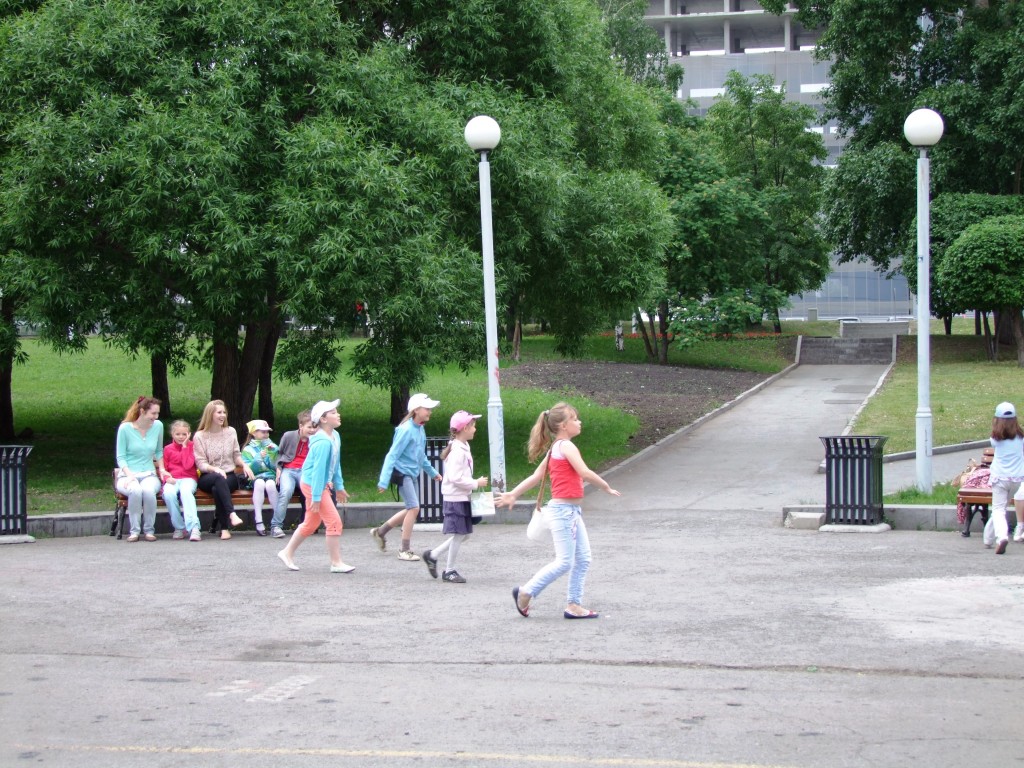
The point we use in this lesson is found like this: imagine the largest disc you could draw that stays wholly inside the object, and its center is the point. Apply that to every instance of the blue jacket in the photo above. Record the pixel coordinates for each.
(408, 453)
(323, 464)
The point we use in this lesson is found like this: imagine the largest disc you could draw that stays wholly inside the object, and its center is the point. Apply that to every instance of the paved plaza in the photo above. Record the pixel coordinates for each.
(724, 640)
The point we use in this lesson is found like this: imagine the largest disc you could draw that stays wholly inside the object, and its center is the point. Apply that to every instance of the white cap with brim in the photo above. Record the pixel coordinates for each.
(1006, 411)
(420, 400)
(317, 411)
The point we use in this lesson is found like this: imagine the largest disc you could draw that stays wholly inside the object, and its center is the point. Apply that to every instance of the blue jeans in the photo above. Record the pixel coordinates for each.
(186, 489)
(572, 552)
(289, 482)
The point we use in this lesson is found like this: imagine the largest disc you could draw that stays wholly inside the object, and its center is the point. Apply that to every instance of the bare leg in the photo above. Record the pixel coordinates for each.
(288, 552)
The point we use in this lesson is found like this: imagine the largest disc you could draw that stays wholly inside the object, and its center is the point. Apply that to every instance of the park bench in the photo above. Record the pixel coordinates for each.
(975, 501)
(242, 500)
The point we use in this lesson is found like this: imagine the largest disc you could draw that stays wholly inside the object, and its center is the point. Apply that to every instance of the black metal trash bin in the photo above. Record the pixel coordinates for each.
(853, 479)
(431, 502)
(13, 490)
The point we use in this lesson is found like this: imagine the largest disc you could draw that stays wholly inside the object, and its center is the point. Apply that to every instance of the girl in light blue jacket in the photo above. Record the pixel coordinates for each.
(402, 466)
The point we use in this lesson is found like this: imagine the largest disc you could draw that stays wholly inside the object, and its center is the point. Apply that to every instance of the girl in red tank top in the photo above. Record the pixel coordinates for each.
(555, 428)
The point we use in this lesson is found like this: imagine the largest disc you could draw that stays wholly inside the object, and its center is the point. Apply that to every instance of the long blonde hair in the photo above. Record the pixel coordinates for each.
(547, 424)
(141, 405)
(207, 418)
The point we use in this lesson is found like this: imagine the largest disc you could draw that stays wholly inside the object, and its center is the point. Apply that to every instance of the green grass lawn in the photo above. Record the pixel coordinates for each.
(74, 404)
(965, 388)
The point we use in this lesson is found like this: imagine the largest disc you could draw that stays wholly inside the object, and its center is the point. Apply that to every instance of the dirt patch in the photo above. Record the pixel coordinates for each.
(663, 398)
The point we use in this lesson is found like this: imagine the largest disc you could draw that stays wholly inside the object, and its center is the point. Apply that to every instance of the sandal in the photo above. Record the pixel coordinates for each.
(524, 612)
(585, 615)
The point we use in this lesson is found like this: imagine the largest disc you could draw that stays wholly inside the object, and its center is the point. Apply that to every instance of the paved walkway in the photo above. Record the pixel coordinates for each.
(725, 640)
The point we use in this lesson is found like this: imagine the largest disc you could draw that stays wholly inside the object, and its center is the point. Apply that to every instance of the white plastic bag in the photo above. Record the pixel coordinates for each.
(538, 529)
(482, 503)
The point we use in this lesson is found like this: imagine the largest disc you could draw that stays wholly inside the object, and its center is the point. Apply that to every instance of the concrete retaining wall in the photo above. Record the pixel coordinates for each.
(906, 517)
(353, 516)
(874, 330)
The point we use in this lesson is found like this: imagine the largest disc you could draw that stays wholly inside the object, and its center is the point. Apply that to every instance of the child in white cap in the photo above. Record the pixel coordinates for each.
(458, 483)
(1007, 474)
(407, 459)
(321, 473)
(260, 455)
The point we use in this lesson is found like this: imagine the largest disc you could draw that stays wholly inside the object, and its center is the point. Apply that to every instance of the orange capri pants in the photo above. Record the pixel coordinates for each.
(319, 511)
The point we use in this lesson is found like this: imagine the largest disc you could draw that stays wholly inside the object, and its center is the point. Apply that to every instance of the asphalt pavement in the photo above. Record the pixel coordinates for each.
(724, 639)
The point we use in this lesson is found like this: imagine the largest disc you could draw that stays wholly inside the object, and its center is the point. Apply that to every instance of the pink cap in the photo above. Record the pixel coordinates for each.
(461, 419)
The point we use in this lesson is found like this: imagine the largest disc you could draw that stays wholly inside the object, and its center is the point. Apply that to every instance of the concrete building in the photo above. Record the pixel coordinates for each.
(710, 38)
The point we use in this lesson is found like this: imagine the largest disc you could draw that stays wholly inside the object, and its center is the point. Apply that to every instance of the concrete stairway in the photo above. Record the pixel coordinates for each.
(816, 350)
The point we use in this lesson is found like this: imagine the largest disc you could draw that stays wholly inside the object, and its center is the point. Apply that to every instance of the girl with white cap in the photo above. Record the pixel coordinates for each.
(321, 473)
(404, 463)
(1007, 474)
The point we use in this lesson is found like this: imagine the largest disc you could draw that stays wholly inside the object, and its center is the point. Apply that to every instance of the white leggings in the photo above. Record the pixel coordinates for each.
(452, 544)
(261, 487)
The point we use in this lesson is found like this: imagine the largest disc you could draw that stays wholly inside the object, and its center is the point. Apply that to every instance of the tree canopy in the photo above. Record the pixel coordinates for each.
(204, 171)
(963, 58)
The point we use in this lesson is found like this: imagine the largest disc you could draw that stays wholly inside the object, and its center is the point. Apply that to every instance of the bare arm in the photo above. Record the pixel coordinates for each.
(573, 456)
(508, 499)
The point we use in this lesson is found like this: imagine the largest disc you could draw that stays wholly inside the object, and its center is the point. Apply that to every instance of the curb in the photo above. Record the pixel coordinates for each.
(73, 524)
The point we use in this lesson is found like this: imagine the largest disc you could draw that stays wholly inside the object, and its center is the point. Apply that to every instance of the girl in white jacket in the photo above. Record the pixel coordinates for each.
(456, 486)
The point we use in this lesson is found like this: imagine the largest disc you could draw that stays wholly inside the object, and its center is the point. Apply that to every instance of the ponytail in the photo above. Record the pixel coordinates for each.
(451, 442)
(547, 424)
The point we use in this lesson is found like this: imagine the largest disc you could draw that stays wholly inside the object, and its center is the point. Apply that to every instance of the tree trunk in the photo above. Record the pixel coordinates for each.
(225, 381)
(947, 324)
(7, 373)
(651, 357)
(776, 320)
(265, 410)
(399, 399)
(161, 389)
(990, 348)
(517, 339)
(1017, 326)
(977, 322)
(662, 335)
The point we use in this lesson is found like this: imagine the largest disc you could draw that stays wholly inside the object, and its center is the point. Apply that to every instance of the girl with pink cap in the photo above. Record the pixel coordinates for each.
(456, 486)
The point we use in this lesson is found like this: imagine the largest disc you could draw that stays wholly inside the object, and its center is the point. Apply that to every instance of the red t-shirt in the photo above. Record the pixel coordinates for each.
(301, 451)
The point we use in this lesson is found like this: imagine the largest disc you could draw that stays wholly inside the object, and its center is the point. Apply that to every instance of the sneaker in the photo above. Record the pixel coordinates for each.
(133, 538)
(277, 533)
(452, 577)
(1001, 546)
(178, 534)
(431, 563)
(196, 535)
(381, 544)
(260, 530)
(408, 554)
(1018, 532)
(988, 535)
(149, 537)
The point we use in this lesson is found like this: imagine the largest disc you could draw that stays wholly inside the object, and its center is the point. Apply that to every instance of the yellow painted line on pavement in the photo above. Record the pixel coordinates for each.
(629, 762)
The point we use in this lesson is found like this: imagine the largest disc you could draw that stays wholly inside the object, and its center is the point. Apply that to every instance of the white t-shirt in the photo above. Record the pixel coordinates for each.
(1008, 461)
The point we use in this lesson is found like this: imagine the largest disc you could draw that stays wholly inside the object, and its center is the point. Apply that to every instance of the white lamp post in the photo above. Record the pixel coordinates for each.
(923, 129)
(482, 135)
